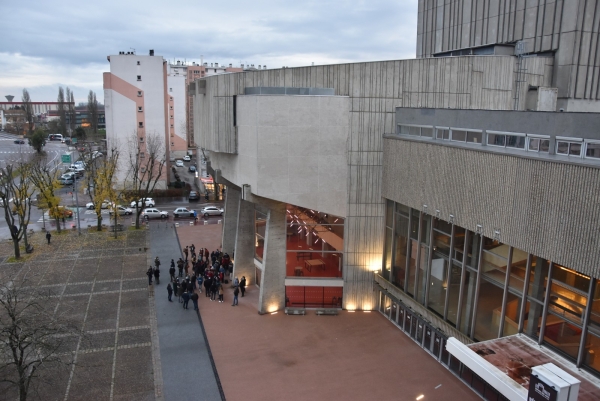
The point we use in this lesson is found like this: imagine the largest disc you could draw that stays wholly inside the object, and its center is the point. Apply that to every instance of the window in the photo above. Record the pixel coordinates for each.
(171, 108)
(592, 150)
(442, 133)
(140, 108)
(139, 77)
(139, 93)
(506, 139)
(568, 147)
(141, 124)
(170, 89)
(415, 130)
(171, 98)
(538, 144)
(138, 63)
(469, 136)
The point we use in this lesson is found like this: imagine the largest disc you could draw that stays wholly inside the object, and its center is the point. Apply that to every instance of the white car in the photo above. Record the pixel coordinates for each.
(105, 204)
(152, 213)
(183, 212)
(96, 154)
(186, 158)
(179, 163)
(122, 210)
(211, 211)
(149, 203)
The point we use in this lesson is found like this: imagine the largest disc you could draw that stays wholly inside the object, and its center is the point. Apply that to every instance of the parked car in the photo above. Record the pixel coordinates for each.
(186, 158)
(211, 211)
(194, 195)
(152, 213)
(105, 204)
(19, 141)
(64, 212)
(192, 169)
(67, 179)
(183, 212)
(96, 154)
(122, 210)
(148, 203)
(179, 163)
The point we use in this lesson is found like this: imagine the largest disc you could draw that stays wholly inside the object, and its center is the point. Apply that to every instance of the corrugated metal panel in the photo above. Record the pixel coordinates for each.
(546, 208)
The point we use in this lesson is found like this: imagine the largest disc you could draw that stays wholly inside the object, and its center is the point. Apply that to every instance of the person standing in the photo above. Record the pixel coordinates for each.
(236, 282)
(149, 274)
(185, 251)
(172, 270)
(180, 267)
(175, 286)
(220, 292)
(157, 275)
(169, 291)
(243, 285)
(207, 285)
(48, 236)
(157, 262)
(180, 291)
(236, 291)
(195, 300)
(186, 299)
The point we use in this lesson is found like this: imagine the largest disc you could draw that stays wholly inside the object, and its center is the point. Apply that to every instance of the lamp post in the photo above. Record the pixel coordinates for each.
(76, 204)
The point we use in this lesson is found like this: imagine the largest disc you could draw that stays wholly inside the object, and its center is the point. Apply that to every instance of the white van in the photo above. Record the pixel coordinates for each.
(55, 137)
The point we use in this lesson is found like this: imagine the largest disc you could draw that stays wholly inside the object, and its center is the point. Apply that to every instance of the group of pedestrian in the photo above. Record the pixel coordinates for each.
(209, 270)
(154, 272)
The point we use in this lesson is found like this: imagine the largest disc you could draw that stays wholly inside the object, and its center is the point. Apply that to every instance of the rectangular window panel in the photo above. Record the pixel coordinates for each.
(534, 144)
(423, 264)
(415, 131)
(544, 145)
(515, 141)
(438, 284)
(511, 317)
(427, 132)
(595, 315)
(399, 269)
(591, 357)
(387, 263)
(593, 150)
(404, 210)
(412, 267)
(496, 140)
(404, 130)
(562, 335)
(575, 149)
(459, 136)
(443, 134)
(468, 302)
(567, 303)
(474, 137)
(489, 311)
(562, 148)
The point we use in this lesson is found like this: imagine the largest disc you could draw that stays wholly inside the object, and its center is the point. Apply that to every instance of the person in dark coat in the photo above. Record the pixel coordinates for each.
(207, 285)
(213, 289)
(236, 291)
(195, 300)
(175, 286)
(186, 299)
(157, 275)
(243, 285)
(180, 291)
(169, 291)
(149, 274)
(190, 286)
(180, 267)
(48, 236)
(172, 272)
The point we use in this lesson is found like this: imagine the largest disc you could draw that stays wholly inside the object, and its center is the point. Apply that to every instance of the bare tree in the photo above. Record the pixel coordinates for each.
(15, 198)
(72, 115)
(146, 165)
(62, 112)
(92, 108)
(29, 116)
(33, 337)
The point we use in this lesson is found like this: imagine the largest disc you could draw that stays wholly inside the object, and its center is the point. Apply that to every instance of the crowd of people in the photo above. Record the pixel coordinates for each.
(196, 271)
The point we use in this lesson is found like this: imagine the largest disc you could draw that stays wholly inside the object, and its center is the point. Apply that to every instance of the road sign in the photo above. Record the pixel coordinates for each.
(66, 158)
(73, 140)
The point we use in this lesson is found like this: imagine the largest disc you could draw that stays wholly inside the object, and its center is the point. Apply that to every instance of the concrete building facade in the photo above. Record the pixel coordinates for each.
(565, 31)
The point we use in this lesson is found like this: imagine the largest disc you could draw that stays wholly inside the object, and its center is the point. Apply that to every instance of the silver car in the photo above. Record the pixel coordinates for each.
(148, 203)
(122, 210)
(211, 211)
(152, 213)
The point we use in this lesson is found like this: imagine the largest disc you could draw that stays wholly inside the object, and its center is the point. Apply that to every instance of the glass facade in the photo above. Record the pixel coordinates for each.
(314, 243)
(488, 289)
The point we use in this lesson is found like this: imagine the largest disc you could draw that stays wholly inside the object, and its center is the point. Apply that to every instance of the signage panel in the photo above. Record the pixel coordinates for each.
(540, 391)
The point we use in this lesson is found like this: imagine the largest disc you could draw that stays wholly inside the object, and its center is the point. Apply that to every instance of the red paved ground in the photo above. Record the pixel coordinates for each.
(352, 356)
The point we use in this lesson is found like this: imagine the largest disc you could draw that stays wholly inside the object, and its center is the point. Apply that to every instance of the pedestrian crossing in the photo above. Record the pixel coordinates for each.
(83, 213)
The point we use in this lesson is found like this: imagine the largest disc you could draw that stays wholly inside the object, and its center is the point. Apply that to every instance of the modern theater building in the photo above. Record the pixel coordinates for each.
(457, 193)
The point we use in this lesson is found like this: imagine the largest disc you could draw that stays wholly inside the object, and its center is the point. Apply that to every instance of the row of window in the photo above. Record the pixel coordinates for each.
(576, 147)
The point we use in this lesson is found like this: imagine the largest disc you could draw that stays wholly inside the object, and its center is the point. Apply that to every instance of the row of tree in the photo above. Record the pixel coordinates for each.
(67, 122)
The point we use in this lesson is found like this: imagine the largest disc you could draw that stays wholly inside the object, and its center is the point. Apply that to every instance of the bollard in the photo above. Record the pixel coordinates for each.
(191, 223)
(133, 224)
(176, 224)
(219, 222)
(205, 222)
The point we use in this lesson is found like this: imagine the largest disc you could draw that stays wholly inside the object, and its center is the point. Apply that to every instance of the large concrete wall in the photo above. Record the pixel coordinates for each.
(569, 28)
(543, 207)
(292, 149)
(375, 90)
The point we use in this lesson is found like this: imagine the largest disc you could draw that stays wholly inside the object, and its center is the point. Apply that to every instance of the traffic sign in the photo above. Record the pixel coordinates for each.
(66, 158)
(73, 140)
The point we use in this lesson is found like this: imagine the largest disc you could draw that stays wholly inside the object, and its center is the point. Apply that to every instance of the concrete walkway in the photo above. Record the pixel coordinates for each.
(187, 368)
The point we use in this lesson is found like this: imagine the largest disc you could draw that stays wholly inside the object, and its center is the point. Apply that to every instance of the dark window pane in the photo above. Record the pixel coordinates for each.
(427, 132)
(575, 149)
(562, 148)
(458, 135)
(496, 140)
(534, 144)
(474, 137)
(515, 141)
(593, 150)
(544, 145)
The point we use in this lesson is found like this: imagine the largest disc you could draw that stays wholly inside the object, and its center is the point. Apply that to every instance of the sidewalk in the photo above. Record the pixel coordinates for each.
(352, 356)
(187, 369)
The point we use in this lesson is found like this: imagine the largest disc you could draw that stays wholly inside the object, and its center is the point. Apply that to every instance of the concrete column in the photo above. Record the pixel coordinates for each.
(272, 288)
(230, 220)
(538, 286)
(244, 242)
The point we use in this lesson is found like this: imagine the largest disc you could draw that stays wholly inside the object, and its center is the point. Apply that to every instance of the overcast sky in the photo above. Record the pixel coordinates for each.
(46, 44)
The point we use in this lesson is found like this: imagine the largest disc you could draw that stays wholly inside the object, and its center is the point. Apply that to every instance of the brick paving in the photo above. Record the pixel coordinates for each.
(100, 283)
